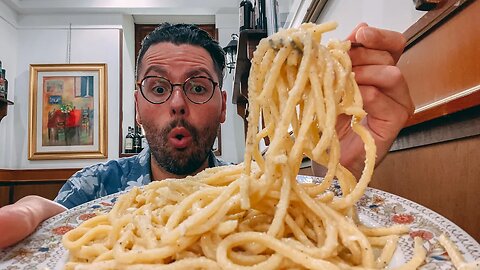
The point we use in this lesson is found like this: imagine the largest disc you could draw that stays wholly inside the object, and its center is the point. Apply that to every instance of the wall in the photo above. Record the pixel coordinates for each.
(443, 177)
(8, 52)
(43, 40)
(396, 15)
(128, 104)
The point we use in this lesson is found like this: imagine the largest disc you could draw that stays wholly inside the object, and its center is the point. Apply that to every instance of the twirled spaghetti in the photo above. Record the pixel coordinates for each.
(255, 215)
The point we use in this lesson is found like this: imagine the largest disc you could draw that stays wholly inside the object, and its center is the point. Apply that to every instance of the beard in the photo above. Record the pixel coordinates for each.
(181, 161)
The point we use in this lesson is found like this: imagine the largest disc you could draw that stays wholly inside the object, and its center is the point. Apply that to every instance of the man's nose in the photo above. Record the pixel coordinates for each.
(178, 102)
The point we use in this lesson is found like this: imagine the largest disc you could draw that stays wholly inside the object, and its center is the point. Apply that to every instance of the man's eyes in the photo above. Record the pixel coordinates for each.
(159, 90)
(198, 89)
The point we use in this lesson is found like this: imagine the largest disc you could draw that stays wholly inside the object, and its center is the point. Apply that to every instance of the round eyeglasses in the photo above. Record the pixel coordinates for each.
(157, 90)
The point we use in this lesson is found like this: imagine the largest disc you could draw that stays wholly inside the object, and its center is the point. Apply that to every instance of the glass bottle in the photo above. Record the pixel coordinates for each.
(137, 141)
(129, 141)
(246, 10)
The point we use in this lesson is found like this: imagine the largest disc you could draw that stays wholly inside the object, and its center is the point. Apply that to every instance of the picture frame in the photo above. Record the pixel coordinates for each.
(67, 111)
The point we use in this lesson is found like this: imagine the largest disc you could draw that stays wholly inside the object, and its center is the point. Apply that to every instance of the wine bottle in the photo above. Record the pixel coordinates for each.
(256, 15)
(129, 141)
(246, 9)
(137, 141)
(261, 19)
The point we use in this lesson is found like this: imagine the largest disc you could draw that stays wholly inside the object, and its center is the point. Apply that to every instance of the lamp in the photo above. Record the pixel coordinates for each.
(231, 51)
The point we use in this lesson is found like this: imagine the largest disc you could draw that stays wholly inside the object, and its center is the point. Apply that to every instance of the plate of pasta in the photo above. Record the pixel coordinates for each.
(43, 249)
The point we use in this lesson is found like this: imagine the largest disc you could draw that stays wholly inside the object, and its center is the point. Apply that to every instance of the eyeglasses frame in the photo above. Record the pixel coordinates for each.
(140, 86)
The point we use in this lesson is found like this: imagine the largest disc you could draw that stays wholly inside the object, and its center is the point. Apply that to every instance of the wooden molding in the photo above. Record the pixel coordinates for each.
(432, 19)
(439, 61)
(314, 10)
(36, 175)
(445, 108)
(120, 94)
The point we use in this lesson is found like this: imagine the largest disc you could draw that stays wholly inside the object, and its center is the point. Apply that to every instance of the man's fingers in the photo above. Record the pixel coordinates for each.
(381, 39)
(351, 37)
(362, 56)
(385, 116)
(387, 78)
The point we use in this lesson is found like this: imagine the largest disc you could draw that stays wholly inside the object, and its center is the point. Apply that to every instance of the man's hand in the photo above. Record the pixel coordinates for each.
(385, 95)
(20, 219)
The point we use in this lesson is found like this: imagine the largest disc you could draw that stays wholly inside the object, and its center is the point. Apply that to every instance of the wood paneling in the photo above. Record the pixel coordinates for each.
(36, 174)
(16, 184)
(441, 64)
(3, 196)
(445, 62)
(444, 177)
(48, 191)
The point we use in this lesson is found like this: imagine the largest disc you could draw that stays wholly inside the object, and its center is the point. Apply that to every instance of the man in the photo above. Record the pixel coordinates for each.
(180, 104)
(179, 74)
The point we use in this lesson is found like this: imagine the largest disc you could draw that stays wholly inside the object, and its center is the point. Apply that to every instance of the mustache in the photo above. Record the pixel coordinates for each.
(179, 122)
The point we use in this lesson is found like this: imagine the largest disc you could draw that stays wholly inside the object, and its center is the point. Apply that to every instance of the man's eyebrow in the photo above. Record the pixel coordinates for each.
(199, 71)
(156, 69)
(159, 70)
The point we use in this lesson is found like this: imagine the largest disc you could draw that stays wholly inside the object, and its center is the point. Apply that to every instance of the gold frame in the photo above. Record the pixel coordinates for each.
(98, 149)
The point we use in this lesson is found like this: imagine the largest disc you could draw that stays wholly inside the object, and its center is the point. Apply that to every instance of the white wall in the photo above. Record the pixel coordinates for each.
(43, 40)
(8, 53)
(128, 104)
(396, 15)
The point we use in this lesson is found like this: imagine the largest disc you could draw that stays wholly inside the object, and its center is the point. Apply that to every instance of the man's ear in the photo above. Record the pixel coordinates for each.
(137, 114)
(223, 115)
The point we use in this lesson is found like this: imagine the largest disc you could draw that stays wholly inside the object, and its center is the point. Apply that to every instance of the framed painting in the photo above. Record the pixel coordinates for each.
(68, 111)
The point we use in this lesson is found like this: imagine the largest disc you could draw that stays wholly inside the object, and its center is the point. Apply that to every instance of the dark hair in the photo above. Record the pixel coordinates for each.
(185, 34)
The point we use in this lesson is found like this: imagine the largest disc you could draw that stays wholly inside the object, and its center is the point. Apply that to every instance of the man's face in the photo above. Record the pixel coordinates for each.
(179, 132)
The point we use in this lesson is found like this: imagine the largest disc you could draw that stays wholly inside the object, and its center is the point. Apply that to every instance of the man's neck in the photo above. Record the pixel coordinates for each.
(158, 173)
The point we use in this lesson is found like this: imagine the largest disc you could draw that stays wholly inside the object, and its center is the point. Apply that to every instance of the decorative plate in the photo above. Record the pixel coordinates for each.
(43, 249)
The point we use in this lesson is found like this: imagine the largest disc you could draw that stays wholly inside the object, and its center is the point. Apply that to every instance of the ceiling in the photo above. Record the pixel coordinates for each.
(129, 7)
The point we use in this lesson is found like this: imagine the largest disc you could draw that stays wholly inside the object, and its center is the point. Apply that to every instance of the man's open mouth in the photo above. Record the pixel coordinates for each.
(179, 137)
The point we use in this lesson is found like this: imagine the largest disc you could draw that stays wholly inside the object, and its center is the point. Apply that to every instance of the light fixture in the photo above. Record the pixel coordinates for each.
(231, 51)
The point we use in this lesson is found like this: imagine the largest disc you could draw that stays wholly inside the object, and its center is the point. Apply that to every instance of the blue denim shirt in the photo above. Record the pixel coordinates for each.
(102, 179)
